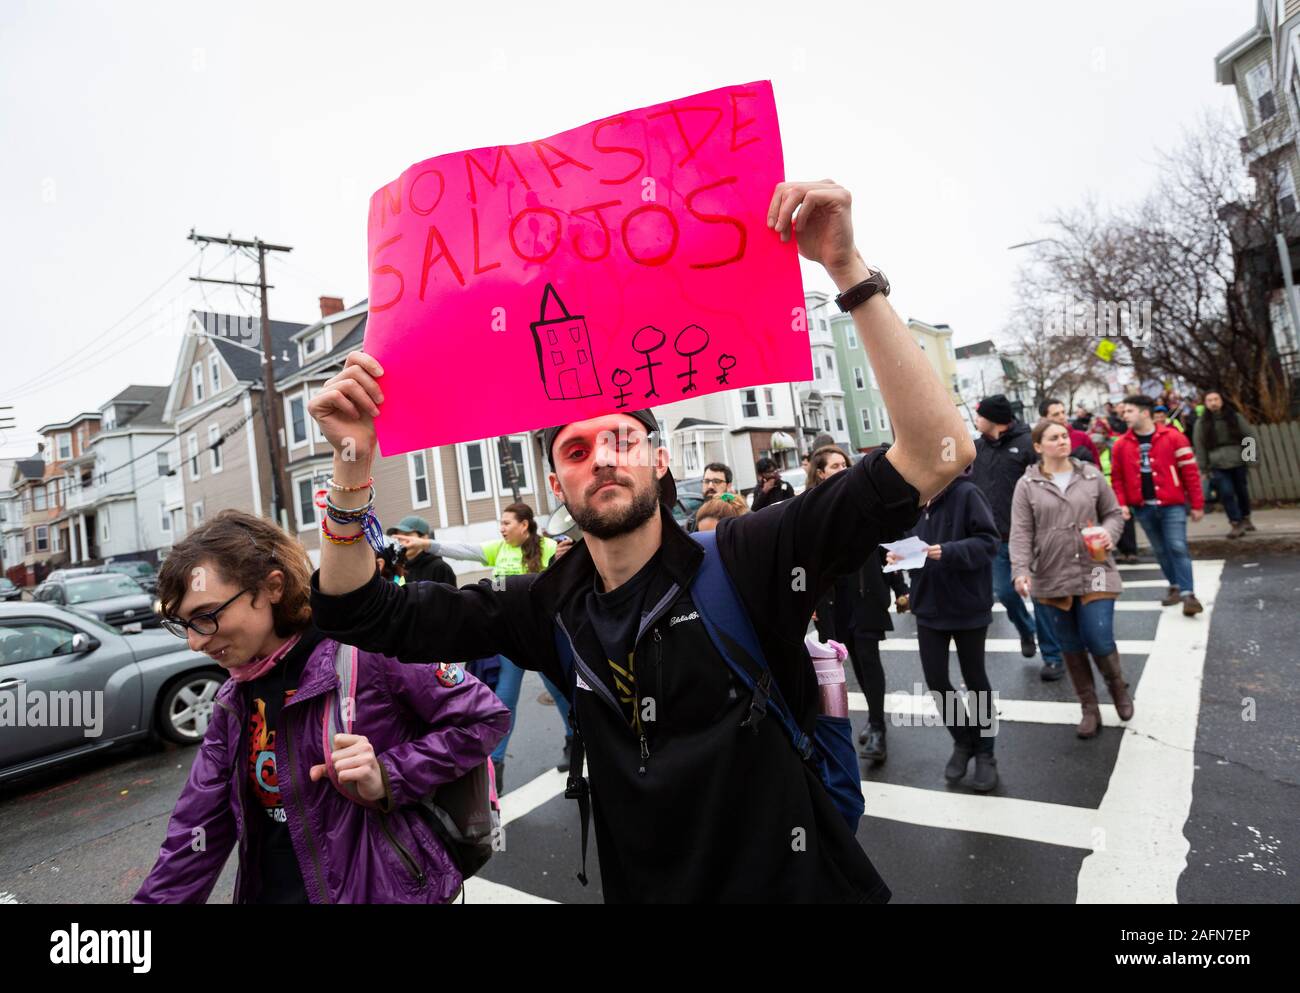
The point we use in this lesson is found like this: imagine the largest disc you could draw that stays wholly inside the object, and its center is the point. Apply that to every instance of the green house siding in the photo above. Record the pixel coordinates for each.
(848, 358)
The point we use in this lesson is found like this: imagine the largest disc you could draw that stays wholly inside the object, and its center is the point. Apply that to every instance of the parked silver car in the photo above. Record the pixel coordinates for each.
(112, 597)
(71, 685)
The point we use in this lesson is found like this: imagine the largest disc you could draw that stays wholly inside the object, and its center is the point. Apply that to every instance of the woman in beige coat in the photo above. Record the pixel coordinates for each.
(1054, 502)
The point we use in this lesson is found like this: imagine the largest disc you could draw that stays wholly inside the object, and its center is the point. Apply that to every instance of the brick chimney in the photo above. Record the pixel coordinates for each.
(330, 305)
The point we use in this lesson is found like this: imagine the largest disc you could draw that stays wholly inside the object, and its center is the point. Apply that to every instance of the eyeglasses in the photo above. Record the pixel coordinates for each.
(204, 624)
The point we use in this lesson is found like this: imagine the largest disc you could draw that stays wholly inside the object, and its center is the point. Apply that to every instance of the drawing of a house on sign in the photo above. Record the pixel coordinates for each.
(564, 356)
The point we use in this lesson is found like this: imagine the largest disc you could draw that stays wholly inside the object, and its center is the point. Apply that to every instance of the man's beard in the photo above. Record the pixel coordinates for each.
(613, 524)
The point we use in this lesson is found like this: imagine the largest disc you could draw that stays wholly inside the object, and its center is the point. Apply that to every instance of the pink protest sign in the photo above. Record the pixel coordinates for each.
(623, 264)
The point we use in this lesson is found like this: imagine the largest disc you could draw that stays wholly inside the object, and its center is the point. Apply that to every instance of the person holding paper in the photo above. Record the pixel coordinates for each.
(688, 805)
(952, 598)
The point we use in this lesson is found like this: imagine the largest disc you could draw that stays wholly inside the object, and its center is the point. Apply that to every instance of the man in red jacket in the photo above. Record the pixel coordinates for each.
(1153, 470)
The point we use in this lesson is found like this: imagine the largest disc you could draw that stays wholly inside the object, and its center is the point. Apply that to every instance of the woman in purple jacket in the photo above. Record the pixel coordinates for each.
(239, 589)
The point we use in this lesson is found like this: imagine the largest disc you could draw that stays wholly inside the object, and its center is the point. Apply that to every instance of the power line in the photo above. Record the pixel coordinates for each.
(120, 320)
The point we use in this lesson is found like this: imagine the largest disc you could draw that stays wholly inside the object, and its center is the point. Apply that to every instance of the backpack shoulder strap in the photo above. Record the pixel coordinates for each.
(729, 626)
(340, 713)
(576, 786)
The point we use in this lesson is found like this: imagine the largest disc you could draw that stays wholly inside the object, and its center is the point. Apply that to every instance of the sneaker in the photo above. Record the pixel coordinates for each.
(1172, 597)
(874, 748)
(1191, 605)
(1028, 647)
(986, 772)
(1249, 526)
(1052, 671)
(956, 767)
(1238, 529)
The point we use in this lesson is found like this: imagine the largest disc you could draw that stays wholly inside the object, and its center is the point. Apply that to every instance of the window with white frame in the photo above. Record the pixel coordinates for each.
(27, 543)
(830, 365)
(859, 381)
(297, 421)
(1285, 189)
(1259, 86)
(749, 403)
(304, 488)
(417, 472)
(57, 537)
(518, 443)
(214, 373)
(64, 442)
(851, 334)
(214, 447)
(164, 464)
(196, 513)
(164, 519)
(38, 495)
(313, 344)
(691, 457)
(475, 470)
(315, 427)
(196, 381)
(769, 401)
(42, 538)
(866, 419)
(192, 443)
(839, 417)
(882, 418)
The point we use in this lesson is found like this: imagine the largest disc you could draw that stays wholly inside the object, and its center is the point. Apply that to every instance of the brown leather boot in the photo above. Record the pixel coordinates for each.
(1076, 664)
(1109, 666)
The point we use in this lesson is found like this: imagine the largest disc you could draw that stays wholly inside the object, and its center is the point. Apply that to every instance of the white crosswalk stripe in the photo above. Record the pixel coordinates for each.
(1137, 849)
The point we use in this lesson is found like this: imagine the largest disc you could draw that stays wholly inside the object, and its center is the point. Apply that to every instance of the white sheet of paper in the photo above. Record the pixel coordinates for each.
(913, 551)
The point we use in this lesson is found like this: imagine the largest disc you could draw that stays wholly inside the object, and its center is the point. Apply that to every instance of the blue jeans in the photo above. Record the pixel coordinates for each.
(1234, 491)
(1166, 529)
(1005, 593)
(508, 684)
(1084, 627)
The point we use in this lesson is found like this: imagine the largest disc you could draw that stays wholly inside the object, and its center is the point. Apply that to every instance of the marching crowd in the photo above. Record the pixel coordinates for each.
(355, 752)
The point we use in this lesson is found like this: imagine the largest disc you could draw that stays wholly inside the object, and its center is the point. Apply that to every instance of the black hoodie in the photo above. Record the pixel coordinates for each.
(689, 807)
(998, 467)
(955, 591)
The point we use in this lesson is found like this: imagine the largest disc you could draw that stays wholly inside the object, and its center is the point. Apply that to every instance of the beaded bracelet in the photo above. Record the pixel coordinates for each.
(346, 515)
(338, 539)
(368, 484)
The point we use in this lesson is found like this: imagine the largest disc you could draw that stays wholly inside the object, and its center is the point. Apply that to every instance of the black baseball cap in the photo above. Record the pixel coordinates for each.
(667, 486)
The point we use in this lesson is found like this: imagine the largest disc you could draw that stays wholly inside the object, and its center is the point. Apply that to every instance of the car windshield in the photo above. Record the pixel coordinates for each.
(131, 568)
(101, 587)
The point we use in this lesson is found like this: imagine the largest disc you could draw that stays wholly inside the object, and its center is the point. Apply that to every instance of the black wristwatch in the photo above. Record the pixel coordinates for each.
(863, 291)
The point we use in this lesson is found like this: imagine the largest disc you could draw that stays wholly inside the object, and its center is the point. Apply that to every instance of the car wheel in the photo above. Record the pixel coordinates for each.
(186, 706)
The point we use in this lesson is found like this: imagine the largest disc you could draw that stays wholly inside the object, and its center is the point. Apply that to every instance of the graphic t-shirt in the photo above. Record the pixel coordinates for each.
(1148, 479)
(280, 878)
(616, 616)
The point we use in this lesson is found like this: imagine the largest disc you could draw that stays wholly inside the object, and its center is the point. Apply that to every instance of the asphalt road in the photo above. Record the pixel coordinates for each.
(1194, 801)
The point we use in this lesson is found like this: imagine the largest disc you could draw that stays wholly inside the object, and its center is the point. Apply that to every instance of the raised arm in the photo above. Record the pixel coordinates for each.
(931, 444)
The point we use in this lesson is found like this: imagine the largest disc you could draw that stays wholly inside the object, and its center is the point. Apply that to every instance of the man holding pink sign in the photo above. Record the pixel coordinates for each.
(695, 795)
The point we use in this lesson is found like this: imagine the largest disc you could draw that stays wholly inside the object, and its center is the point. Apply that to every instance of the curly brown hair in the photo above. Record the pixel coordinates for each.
(243, 549)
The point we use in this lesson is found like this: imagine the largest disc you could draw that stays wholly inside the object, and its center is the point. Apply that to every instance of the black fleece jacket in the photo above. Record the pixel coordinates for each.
(719, 813)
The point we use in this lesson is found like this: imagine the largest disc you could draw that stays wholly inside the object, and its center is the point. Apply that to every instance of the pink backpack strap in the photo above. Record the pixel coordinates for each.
(340, 714)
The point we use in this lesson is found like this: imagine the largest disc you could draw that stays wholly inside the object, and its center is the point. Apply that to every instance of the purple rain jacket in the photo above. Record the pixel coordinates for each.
(424, 733)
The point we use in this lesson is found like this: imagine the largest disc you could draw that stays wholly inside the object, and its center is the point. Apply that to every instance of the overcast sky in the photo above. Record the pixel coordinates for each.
(959, 127)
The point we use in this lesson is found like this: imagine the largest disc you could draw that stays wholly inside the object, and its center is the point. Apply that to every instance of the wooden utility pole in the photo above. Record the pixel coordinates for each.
(271, 398)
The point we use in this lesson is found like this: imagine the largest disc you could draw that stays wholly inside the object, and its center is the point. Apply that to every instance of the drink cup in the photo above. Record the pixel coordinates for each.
(1094, 539)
